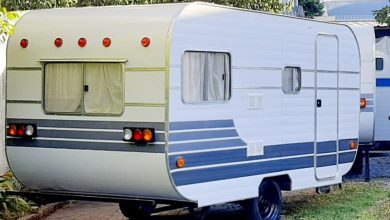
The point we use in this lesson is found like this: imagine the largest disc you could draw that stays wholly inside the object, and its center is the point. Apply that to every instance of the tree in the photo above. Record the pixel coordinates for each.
(383, 16)
(7, 21)
(312, 7)
(275, 6)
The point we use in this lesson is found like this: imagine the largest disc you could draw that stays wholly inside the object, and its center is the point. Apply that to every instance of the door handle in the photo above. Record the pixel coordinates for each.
(319, 103)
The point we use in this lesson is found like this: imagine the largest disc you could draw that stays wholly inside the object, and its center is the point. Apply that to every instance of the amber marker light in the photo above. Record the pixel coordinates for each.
(180, 162)
(12, 130)
(106, 42)
(82, 42)
(353, 144)
(24, 43)
(58, 42)
(148, 135)
(363, 102)
(145, 42)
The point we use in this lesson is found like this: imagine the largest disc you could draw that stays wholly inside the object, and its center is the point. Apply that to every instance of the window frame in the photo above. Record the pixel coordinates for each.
(227, 100)
(300, 80)
(376, 63)
(83, 112)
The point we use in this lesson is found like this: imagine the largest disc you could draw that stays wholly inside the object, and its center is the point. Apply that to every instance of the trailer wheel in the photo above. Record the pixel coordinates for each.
(268, 206)
(199, 213)
(137, 210)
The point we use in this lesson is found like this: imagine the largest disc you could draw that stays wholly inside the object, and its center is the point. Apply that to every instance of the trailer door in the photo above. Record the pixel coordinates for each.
(326, 106)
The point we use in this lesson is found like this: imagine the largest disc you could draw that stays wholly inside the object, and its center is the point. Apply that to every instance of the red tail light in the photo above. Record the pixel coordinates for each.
(21, 130)
(145, 42)
(106, 42)
(137, 135)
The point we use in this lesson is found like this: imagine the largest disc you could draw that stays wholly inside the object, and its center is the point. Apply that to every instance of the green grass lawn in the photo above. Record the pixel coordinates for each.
(353, 201)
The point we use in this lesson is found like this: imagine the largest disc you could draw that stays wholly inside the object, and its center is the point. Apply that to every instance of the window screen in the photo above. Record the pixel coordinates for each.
(291, 80)
(379, 63)
(84, 88)
(206, 77)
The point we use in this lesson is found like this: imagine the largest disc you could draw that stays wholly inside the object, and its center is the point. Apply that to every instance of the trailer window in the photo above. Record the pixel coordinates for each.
(291, 80)
(206, 77)
(379, 63)
(84, 88)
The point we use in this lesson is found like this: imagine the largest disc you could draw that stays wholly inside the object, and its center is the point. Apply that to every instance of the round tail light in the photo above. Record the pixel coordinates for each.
(145, 42)
(137, 135)
(12, 130)
(21, 130)
(127, 134)
(58, 42)
(106, 42)
(148, 135)
(29, 130)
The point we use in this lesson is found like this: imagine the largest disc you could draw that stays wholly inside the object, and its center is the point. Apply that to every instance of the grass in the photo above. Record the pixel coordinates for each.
(353, 201)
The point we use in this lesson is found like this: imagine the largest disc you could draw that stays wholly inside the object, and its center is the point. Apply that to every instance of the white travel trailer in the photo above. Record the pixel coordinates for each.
(180, 103)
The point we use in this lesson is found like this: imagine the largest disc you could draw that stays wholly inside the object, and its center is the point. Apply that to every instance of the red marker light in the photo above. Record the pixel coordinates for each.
(24, 43)
(145, 42)
(21, 131)
(137, 135)
(106, 42)
(58, 42)
(82, 42)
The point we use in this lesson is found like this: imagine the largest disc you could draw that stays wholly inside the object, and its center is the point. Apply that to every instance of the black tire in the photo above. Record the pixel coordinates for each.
(137, 210)
(268, 206)
(199, 213)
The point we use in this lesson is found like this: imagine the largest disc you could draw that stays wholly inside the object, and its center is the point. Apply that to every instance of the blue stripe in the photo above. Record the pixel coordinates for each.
(205, 145)
(370, 102)
(239, 155)
(384, 82)
(347, 157)
(326, 147)
(202, 135)
(328, 160)
(241, 170)
(367, 109)
(201, 124)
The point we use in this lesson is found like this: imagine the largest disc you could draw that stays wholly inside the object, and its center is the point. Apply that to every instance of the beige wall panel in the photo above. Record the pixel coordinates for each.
(35, 111)
(24, 85)
(145, 87)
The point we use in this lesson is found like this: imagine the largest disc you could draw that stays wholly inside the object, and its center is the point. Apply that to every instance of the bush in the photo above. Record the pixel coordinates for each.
(11, 207)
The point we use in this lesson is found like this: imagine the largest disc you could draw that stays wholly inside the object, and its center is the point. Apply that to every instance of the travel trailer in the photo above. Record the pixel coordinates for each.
(186, 104)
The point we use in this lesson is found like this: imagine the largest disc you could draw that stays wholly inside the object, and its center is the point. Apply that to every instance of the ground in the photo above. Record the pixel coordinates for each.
(81, 210)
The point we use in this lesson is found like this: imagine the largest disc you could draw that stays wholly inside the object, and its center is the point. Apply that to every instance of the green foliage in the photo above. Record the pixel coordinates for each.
(275, 6)
(383, 16)
(7, 20)
(11, 207)
(312, 7)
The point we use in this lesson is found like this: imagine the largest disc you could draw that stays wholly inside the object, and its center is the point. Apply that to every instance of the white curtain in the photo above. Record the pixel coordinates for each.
(105, 88)
(205, 77)
(63, 87)
(291, 80)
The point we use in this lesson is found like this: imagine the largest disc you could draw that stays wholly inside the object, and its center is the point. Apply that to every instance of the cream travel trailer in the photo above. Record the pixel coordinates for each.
(188, 104)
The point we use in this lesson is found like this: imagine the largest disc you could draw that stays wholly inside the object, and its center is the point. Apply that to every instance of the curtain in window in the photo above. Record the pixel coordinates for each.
(205, 77)
(291, 80)
(63, 87)
(105, 88)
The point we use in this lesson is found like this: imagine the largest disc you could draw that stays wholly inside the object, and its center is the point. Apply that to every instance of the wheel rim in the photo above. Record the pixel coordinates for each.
(268, 204)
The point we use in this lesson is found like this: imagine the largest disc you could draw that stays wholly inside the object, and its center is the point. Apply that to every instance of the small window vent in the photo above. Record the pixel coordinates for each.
(255, 101)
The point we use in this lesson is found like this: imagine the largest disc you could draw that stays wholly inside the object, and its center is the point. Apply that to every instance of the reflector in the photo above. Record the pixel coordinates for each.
(106, 42)
(82, 42)
(24, 43)
(145, 42)
(58, 42)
